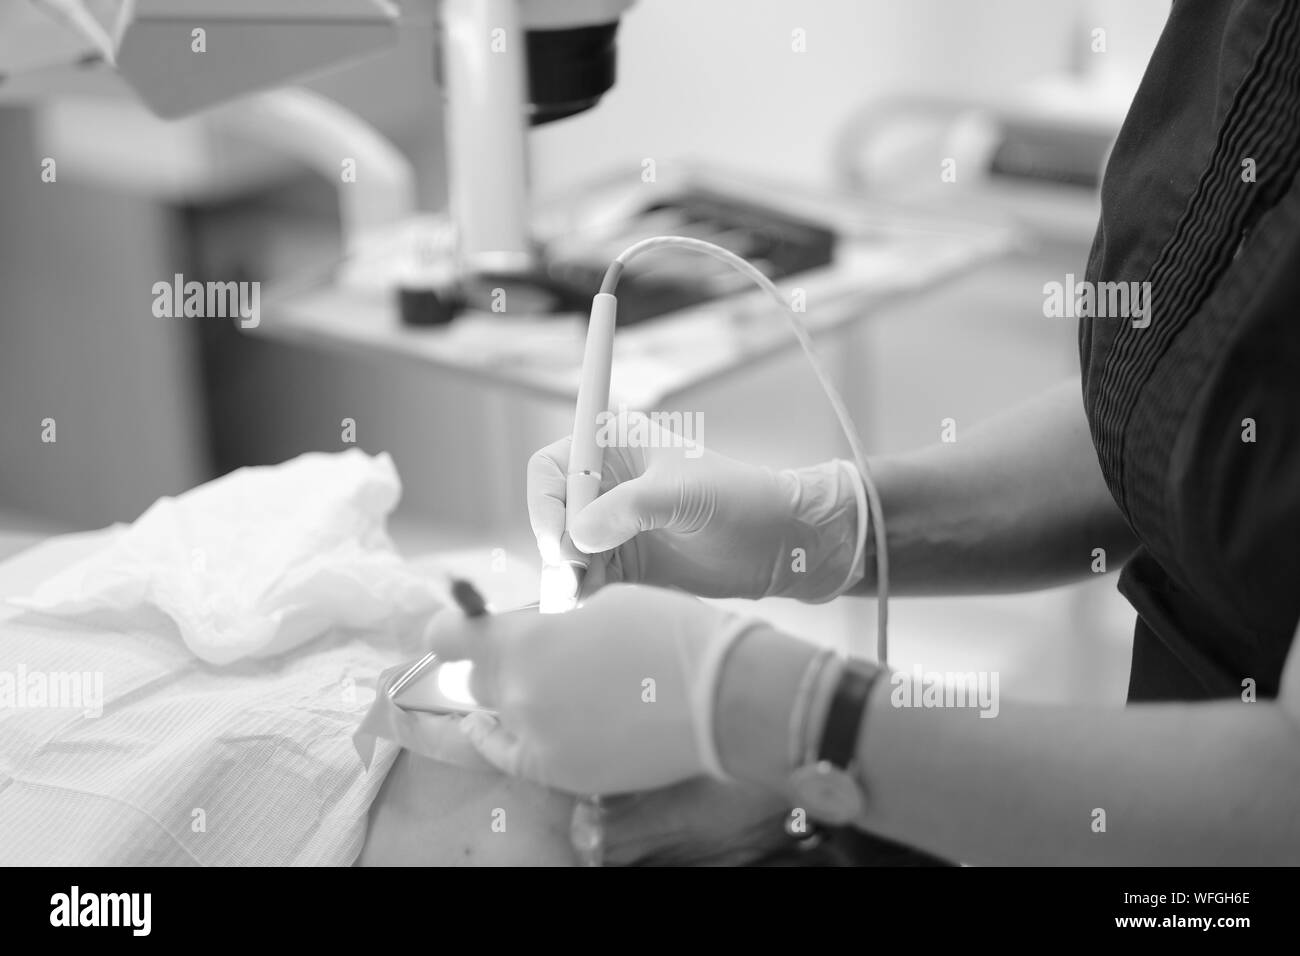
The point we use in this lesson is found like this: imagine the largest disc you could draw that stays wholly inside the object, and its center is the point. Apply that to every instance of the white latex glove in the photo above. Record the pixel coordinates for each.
(612, 697)
(707, 524)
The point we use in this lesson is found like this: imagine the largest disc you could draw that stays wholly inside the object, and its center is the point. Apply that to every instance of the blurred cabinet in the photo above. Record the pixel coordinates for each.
(80, 345)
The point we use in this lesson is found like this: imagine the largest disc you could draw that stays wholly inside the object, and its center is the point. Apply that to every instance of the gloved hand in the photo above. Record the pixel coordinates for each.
(706, 524)
(612, 697)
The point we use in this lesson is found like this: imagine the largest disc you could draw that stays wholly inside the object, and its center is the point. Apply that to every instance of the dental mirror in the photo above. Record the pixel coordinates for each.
(442, 689)
(434, 686)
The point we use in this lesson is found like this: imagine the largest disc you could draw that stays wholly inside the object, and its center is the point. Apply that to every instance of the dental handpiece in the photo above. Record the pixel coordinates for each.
(586, 456)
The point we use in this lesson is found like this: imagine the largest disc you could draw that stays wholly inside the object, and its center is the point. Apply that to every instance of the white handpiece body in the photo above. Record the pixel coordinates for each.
(586, 456)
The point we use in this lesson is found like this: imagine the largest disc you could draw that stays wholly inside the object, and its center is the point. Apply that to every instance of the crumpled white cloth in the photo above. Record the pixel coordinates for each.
(182, 763)
(258, 561)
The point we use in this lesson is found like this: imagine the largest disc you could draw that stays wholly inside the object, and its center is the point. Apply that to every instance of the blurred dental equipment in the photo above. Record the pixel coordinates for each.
(182, 56)
(504, 66)
(495, 92)
(1033, 155)
(73, 14)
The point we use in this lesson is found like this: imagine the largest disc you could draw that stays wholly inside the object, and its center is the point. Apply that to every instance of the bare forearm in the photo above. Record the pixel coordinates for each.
(1204, 783)
(1175, 784)
(1015, 503)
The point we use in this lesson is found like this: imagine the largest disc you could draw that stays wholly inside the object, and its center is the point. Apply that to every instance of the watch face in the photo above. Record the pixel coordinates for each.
(828, 793)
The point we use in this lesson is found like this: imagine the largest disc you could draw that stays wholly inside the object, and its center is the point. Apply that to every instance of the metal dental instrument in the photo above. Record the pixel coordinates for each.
(471, 603)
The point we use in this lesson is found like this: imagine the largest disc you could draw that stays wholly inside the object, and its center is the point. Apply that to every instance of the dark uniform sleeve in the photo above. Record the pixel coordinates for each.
(1196, 418)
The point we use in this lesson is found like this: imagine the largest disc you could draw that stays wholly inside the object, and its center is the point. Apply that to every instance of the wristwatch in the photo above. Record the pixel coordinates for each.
(826, 783)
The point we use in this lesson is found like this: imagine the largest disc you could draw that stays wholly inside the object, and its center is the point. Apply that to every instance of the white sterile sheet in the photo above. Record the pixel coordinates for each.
(185, 690)
(179, 762)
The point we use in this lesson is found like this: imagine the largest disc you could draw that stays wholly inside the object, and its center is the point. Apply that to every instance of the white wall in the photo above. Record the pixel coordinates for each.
(718, 78)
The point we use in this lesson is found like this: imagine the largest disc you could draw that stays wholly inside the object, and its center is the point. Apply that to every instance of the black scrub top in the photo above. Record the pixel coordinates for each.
(1216, 580)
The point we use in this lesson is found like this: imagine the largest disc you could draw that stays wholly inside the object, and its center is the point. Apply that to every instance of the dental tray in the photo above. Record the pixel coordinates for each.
(778, 243)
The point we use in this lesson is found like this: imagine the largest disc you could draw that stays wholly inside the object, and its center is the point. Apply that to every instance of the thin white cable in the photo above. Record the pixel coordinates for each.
(832, 395)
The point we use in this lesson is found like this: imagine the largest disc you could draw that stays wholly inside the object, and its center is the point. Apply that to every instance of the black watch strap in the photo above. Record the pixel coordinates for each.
(839, 741)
